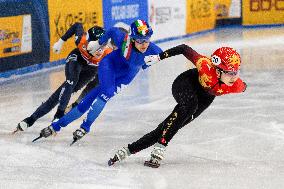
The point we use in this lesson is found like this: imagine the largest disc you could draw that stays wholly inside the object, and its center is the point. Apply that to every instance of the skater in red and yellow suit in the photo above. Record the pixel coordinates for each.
(194, 90)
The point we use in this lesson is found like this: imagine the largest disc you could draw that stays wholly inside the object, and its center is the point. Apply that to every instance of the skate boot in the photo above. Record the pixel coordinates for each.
(156, 156)
(119, 155)
(46, 132)
(78, 134)
(24, 124)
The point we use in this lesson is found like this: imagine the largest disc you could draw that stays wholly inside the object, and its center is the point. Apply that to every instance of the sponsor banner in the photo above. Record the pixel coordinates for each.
(167, 18)
(228, 9)
(263, 12)
(63, 14)
(200, 15)
(124, 11)
(16, 38)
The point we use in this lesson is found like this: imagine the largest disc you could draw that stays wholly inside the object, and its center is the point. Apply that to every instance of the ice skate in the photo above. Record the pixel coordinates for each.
(119, 156)
(23, 125)
(77, 135)
(46, 132)
(156, 156)
(153, 162)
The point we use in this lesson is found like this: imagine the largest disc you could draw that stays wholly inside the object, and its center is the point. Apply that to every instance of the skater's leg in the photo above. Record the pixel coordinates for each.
(77, 111)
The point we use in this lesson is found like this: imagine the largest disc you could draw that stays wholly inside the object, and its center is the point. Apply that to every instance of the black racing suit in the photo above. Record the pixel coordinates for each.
(191, 100)
(191, 97)
(78, 73)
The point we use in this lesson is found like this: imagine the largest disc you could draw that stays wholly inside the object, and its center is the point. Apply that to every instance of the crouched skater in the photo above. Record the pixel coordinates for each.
(116, 69)
(194, 90)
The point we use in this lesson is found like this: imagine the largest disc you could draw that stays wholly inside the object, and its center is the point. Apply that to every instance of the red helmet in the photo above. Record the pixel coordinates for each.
(227, 59)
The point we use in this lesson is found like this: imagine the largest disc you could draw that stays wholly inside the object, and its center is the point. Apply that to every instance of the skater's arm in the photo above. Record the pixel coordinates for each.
(187, 51)
(115, 34)
(76, 29)
(239, 86)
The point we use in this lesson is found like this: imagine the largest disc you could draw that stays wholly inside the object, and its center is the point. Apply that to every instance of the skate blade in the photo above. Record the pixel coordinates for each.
(151, 164)
(112, 161)
(17, 130)
(40, 136)
(73, 142)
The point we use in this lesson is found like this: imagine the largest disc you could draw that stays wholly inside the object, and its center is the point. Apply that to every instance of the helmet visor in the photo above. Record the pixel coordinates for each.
(231, 73)
(141, 41)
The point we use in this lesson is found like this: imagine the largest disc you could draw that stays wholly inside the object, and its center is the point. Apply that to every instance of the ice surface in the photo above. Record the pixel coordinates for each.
(236, 143)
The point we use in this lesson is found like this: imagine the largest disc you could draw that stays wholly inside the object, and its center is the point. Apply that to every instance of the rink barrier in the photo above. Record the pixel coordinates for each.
(49, 23)
(25, 72)
(21, 72)
(8, 75)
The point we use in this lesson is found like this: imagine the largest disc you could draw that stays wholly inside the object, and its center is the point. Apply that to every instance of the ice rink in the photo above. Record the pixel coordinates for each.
(238, 143)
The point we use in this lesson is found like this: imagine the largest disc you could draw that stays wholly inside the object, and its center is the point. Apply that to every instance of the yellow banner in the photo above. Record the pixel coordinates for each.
(200, 15)
(263, 12)
(62, 14)
(15, 35)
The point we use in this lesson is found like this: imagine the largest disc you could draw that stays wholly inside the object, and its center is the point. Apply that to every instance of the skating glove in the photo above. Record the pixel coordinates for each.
(57, 46)
(151, 59)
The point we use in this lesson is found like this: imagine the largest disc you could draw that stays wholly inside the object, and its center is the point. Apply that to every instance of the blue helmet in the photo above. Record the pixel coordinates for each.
(140, 29)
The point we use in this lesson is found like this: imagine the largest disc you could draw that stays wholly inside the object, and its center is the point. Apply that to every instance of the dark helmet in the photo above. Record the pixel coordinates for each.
(140, 29)
(95, 33)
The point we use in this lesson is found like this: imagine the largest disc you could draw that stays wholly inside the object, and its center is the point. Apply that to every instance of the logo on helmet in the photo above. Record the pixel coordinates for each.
(140, 29)
(234, 60)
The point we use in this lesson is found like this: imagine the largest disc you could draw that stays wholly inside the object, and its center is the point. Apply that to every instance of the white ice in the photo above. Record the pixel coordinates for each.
(237, 143)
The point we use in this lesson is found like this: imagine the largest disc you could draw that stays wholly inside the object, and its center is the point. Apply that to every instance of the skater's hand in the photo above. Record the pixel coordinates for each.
(57, 46)
(151, 59)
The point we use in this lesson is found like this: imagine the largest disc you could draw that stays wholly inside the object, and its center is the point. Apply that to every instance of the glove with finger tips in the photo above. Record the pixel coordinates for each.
(57, 46)
(151, 59)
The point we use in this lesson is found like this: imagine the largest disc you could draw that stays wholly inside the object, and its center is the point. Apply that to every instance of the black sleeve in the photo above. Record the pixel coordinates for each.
(245, 88)
(76, 29)
(187, 51)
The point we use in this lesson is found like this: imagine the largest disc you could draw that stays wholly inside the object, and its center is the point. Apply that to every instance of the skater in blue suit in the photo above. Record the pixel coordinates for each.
(116, 69)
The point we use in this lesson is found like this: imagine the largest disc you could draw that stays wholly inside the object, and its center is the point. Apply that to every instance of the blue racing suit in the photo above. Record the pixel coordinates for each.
(116, 69)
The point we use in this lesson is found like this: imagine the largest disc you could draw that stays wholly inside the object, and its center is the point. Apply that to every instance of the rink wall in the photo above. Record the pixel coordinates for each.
(28, 28)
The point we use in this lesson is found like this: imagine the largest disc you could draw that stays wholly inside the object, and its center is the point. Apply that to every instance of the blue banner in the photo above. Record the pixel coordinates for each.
(126, 11)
